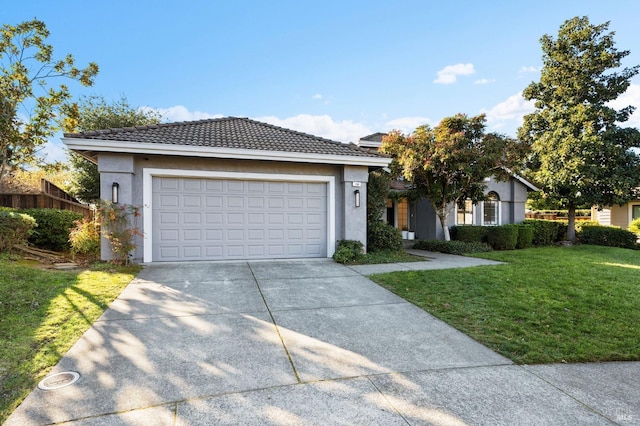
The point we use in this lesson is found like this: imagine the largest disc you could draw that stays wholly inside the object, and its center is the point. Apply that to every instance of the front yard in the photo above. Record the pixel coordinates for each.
(42, 314)
(546, 305)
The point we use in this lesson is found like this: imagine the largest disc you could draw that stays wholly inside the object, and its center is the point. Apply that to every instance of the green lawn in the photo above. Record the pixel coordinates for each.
(546, 305)
(42, 314)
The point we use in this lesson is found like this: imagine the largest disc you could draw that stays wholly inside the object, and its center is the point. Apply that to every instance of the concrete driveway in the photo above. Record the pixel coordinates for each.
(298, 342)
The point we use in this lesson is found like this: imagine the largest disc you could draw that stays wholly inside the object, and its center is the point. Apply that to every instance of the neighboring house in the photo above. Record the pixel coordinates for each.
(232, 188)
(505, 204)
(620, 216)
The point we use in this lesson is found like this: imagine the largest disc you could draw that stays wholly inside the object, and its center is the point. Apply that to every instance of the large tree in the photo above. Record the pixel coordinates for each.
(95, 113)
(580, 155)
(448, 163)
(30, 109)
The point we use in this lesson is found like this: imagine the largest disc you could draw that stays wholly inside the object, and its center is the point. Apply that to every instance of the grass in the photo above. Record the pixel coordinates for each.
(547, 305)
(388, 256)
(42, 314)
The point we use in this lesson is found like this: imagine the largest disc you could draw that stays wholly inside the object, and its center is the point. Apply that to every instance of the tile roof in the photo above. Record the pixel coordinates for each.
(228, 132)
(375, 137)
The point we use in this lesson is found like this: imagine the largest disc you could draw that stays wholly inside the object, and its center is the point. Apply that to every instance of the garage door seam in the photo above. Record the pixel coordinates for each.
(273, 320)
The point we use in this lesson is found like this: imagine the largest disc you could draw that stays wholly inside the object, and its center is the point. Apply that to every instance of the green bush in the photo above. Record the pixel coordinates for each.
(382, 236)
(634, 226)
(53, 228)
(451, 247)
(348, 251)
(546, 232)
(525, 236)
(15, 228)
(84, 238)
(469, 233)
(504, 237)
(608, 236)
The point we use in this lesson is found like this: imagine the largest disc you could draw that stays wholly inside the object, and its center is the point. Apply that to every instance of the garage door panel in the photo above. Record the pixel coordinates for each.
(212, 219)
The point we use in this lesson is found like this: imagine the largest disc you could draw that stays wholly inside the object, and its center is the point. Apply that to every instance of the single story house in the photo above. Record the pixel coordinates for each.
(505, 204)
(620, 216)
(232, 188)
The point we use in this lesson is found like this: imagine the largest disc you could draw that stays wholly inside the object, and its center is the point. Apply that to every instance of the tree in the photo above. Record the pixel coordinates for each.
(94, 113)
(448, 164)
(27, 65)
(579, 153)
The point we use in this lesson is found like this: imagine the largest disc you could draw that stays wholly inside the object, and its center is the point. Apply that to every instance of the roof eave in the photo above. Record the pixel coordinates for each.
(97, 145)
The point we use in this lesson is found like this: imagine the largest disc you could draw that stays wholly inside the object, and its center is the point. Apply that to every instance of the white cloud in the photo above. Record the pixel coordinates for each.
(630, 97)
(449, 74)
(508, 114)
(529, 69)
(180, 113)
(407, 124)
(317, 96)
(485, 81)
(54, 150)
(321, 125)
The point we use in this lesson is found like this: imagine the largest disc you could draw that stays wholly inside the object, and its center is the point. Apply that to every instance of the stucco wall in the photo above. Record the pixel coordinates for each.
(127, 170)
(621, 215)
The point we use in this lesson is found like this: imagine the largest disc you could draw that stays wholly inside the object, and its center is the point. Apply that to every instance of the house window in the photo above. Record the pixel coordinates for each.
(491, 210)
(635, 211)
(464, 214)
(403, 214)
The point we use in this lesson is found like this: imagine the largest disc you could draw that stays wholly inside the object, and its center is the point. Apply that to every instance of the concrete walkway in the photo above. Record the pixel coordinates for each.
(306, 342)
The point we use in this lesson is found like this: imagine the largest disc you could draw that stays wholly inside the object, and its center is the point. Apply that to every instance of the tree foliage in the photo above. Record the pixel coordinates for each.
(27, 65)
(579, 153)
(448, 163)
(95, 113)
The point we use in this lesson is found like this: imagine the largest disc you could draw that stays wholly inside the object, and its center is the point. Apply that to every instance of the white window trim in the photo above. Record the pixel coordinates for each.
(473, 214)
(498, 213)
(147, 197)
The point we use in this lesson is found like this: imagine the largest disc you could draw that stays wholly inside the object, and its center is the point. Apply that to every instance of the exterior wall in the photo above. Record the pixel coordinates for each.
(512, 194)
(127, 171)
(354, 178)
(621, 215)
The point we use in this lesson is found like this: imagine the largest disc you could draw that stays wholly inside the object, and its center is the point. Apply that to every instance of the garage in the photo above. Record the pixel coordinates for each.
(220, 219)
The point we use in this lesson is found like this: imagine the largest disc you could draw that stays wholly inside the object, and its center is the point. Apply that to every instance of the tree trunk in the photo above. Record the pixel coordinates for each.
(571, 227)
(445, 228)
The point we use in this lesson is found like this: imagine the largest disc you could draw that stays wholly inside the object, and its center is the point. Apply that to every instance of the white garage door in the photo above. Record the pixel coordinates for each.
(215, 219)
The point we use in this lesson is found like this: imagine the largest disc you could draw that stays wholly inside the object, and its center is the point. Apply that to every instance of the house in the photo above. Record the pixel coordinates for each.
(232, 188)
(620, 216)
(505, 204)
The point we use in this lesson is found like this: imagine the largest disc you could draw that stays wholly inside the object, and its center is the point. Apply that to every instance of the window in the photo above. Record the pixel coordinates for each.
(491, 210)
(464, 214)
(403, 214)
(635, 211)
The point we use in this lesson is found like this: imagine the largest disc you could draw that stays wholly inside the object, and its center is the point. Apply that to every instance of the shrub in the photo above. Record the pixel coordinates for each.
(348, 251)
(546, 232)
(119, 227)
(15, 228)
(525, 236)
(634, 226)
(451, 247)
(382, 236)
(53, 228)
(469, 233)
(608, 236)
(85, 239)
(503, 237)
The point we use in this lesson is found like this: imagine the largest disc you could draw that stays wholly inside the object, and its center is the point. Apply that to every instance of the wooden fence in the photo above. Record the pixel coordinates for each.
(49, 197)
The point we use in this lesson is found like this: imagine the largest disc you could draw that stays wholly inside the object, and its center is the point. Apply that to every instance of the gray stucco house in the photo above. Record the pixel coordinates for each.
(506, 204)
(232, 188)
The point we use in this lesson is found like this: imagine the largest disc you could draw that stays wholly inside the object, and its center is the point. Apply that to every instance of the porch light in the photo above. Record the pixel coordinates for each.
(115, 189)
(357, 195)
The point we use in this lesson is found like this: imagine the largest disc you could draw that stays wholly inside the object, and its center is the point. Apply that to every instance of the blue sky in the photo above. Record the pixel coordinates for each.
(338, 69)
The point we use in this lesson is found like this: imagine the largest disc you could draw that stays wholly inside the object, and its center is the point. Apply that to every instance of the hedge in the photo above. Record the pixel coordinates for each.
(525, 236)
(469, 233)
(15, 228)
(547, 232)
(608, 236)
(53, 228)
(382, 236)
(348, 251)
(451, 247)
(504, 237)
